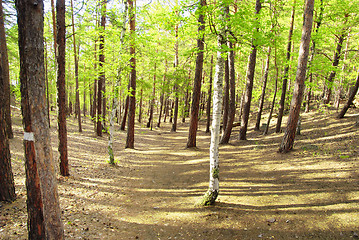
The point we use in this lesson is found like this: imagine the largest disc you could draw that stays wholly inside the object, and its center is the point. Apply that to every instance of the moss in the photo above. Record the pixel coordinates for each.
(209, 198)
(215, 173)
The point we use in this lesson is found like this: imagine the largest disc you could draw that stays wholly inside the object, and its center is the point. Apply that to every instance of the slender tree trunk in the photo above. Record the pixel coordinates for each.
(193, 125)
(350, 99)
(77, 104)
(261, 100)
(54, 29)
(124, 119)
(249, 84)
(232, 101)
(209, 97)
(286, 72)
(5, 74)
(175, 88)
(213, 190)
(140, 106)
(152, 102)
(84, 109)
(226, 94)
(61, 87)
(44, 221)
(94, 100)
(132, 98)
(7, 186)
(288, 139)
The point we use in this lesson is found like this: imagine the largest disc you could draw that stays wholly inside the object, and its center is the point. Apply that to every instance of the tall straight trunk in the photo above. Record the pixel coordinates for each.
(44, 221)
(94, 100)
(116, 92)
(288, 139)
(336, 59)
(162, 96)
(76, 60)
(5, 73)
(124, 118)
(311, 58)
(350, 99)
(140, 106)
(7, 186)
(174, 109)
(61, 87)
(213, 189)
(101, 79)
(84, 109)
(261, 100)
(130, 140)
(232, 101)
(286, 72)
(193, 125)
(339, 91)
(249, 85)
(226, 94)
(54, 29)
(209, 96)
(152, 102)
(47, 85)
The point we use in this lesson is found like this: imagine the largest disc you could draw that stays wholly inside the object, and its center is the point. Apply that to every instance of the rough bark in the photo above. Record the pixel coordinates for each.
(288, 139)
(209, 96)
(213, 190)
(61, 87)
(7, 187)
(5, 74)
(44, 221)
(249, 85)
(193, 124)
(261, 99)
(101, 79)
(350, 99)
(130, 140)
(286, 72)
(77, 94)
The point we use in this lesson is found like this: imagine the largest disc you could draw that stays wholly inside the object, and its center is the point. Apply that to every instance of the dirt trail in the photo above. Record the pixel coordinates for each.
(310, 193)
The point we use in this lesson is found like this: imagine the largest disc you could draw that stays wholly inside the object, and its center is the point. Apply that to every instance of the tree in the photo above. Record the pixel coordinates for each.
(288, 139)
(61, 87)
(249, 84)
(132, 84)
(286, 72)
(208, 111)
(352, 95)
(7, 186)
(44, 220)
(213, 190)
(193, 125)
(175, 87)
(5, 74)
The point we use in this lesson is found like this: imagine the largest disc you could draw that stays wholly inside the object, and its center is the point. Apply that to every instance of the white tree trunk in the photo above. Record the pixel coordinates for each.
(212, 193)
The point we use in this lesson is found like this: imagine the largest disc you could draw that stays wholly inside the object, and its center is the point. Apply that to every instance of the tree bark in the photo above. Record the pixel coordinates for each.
(77, 94)
(44, 221)
(152, 102)
(286, 72)
(124, 119)
(209, 96)
(61, 87)
(261, 100)
(5, 74)
(193, 125)
(101, 79)
(350, 99)
(132, 85)
(213, 190)
(288, 139)
(175, 88)
(225, 94)
(249, 84)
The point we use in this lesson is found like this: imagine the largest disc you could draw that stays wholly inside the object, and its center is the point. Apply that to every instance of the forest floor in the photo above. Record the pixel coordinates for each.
(151, 193)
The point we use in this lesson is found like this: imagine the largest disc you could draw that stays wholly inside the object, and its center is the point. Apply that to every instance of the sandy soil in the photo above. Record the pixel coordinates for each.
(151, 193)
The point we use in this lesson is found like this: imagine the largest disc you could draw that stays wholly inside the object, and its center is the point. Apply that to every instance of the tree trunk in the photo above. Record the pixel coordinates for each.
(225, 94)
(54, 29)
(175, 88)
(261, 100)
(101, 79)
(193, 125)
(132, 98)
(44, 221)
(123, 123)
(286, 72)
(350, 99)
(7, 186)
(209, 97)
(5, 74)
(94, 100)
(61, 87)
(77, 104)
(152, 103)
(288, 139)
(213, 190)
(249, 85)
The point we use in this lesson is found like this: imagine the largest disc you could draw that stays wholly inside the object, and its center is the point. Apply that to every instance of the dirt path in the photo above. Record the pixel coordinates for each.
(311, 193)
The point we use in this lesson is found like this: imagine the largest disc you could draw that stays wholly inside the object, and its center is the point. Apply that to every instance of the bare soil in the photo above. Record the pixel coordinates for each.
(151, 193)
